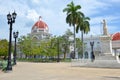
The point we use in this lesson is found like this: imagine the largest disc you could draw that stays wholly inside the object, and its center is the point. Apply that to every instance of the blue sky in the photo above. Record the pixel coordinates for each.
(28, 12)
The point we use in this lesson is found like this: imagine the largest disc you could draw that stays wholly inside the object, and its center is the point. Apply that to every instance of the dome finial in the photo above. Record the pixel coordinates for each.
(40, 17)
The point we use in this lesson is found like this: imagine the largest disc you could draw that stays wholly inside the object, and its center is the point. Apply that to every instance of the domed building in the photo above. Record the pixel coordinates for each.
(116, 43)
(40, 31)
(116, 36)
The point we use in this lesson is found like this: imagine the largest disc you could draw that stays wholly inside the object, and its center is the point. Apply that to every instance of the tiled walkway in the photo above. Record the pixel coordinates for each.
(58, 71)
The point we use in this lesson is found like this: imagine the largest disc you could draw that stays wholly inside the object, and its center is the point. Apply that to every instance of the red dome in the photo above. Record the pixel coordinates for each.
(116, 36)
(40, 24)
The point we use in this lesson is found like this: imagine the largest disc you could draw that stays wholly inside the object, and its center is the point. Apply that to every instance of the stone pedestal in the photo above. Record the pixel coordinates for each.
(105, 56)
(106, 45)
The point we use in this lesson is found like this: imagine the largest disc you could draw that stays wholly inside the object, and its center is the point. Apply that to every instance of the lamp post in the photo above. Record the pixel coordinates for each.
(11, 20)
(15, 35)
(92, 53)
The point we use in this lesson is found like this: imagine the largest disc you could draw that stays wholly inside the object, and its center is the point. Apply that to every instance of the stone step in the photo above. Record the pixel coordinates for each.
(96, 63)
(103, 60)
(105, 57)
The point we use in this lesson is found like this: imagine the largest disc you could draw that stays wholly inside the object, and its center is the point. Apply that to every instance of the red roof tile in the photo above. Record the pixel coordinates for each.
(116, 36)
(40, 24)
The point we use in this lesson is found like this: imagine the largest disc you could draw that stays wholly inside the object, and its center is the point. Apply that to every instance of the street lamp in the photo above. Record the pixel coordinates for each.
(11, 20)
(92, 53)
(15, 35)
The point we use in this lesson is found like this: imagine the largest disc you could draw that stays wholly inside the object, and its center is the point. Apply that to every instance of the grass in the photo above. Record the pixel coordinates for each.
(3, 64)
(42, 60)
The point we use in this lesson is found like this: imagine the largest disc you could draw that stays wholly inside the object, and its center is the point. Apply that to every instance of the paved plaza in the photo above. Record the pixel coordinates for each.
(58, 71)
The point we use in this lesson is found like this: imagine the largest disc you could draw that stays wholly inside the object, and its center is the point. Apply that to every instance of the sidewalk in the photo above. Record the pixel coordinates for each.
(58, 71)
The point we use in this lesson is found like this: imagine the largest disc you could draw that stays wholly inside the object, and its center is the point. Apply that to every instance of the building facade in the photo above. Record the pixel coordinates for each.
(102, 44)
(40, 31)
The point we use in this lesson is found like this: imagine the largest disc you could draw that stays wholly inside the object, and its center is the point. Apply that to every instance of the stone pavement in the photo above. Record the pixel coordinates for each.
(58, 71)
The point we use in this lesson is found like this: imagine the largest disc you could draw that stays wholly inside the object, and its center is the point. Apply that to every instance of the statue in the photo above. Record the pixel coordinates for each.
(105, 29)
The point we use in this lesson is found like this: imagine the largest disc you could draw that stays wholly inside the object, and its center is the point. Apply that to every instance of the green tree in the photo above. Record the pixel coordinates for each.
(25, 45)
(66, 42)
(84, 27)
(57, 46)
(73, 16)
(3, 48)
(65, 45)
(53, 47)
(45, 49)
(68, 33)
(33, 48)
(79, 47)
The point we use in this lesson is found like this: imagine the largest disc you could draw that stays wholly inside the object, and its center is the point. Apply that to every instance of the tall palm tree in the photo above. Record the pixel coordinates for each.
(84, 27)
(73, 16)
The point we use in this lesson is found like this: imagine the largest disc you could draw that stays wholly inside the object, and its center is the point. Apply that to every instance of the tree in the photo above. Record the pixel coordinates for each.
(73, 16)
(24, 43)
(65, 45)
(68, 32)
(3, 48)
(84, 27)
(32, 48)
(48, 49)
(79, 47)
(53, 47)
(66, 42)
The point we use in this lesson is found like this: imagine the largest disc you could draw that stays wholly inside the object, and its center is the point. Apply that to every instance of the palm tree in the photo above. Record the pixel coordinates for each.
(84, 27)
(73, 16)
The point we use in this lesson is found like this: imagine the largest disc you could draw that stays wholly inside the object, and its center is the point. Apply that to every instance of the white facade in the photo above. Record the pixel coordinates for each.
(104, 45)
(96, 47)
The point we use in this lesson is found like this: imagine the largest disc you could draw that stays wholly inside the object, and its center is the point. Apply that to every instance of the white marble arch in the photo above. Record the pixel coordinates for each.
(35, 37)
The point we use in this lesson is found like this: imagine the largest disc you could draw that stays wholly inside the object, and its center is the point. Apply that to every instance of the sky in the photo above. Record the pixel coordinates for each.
(28, 12)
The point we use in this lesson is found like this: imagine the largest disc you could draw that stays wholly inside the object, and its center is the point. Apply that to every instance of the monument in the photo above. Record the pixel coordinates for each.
(106, 39)
(102, 51)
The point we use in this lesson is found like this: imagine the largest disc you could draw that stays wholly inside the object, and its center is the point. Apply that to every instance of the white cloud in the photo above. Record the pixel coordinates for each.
(33, 15)
(35, 1)
(51, 12)
(91, 7)
(97, 27)
(108, 18)
(115, 1)
(19, 6)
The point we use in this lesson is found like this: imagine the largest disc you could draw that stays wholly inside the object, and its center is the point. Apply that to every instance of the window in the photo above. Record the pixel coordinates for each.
(86, 55)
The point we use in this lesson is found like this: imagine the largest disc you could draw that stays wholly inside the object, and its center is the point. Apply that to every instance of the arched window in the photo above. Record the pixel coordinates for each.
(86, 55)
(34, 39)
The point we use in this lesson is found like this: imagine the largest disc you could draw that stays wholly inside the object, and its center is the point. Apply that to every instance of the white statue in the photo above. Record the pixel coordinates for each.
(105, 29)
